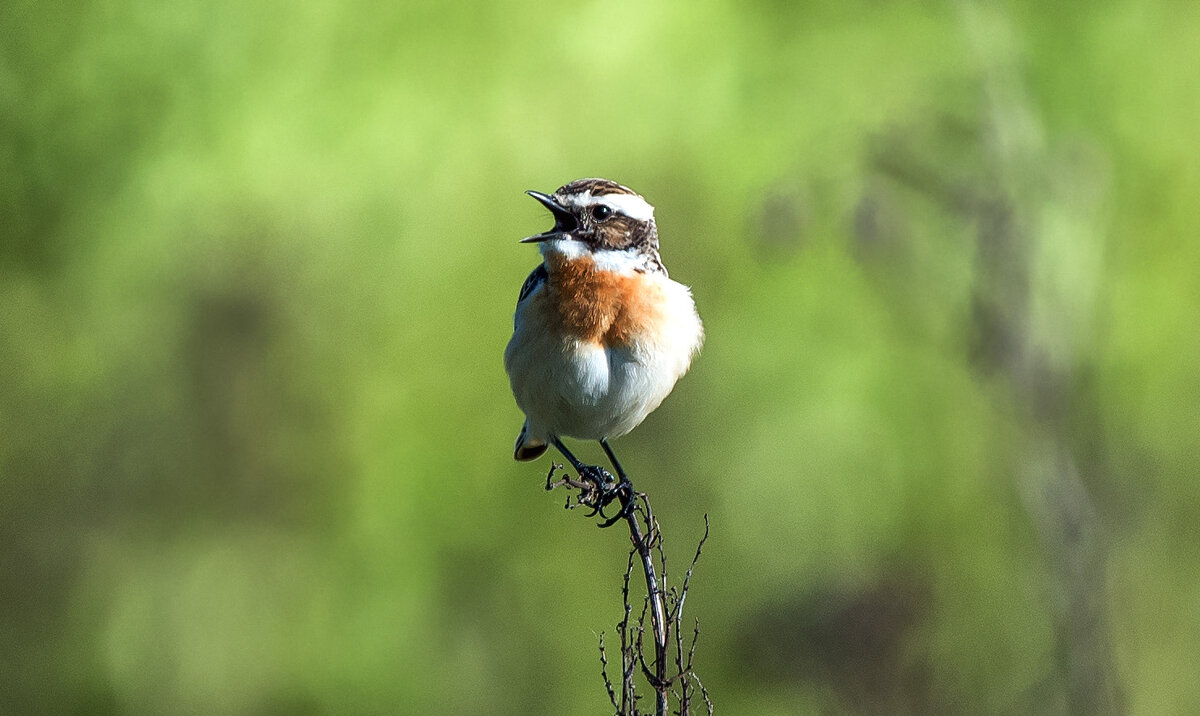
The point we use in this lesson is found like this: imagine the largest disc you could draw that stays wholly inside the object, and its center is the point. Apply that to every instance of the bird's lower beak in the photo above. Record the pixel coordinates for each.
(564, 221)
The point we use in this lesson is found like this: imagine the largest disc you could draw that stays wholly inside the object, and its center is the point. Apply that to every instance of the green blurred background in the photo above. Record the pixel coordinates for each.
(258, 268)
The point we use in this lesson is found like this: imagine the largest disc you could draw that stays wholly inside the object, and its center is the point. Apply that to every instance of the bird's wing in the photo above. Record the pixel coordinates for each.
(536, 278)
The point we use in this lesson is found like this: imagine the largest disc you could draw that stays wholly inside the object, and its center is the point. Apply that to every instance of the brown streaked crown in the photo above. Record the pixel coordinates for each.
(617, 231)
(597, 187)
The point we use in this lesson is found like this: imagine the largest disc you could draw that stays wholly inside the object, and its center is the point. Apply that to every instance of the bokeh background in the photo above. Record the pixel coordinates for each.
(257, 273)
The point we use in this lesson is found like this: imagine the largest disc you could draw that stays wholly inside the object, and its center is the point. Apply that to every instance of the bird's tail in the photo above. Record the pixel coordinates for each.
(528, 447)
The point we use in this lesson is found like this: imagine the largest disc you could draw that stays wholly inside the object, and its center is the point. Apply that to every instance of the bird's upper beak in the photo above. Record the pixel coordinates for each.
(564, 221)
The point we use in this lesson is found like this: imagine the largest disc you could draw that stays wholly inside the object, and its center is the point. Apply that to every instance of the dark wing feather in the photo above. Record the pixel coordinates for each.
(536, 278)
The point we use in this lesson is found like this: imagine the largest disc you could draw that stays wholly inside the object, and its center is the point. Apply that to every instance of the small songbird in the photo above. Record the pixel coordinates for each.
(601, 333)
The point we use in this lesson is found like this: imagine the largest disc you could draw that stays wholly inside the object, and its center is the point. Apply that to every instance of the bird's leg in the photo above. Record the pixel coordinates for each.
(596, 476)
(575, 463)
(613, 459)
(623, 489)
(607, 488)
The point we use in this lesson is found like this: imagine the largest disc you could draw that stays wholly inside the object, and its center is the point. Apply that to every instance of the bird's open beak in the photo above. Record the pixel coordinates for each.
(564, 221)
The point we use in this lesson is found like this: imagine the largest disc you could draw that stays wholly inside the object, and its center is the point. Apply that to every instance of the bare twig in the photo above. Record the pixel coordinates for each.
(662, 604)
(627, 684)
(612, 696)
(677, 612)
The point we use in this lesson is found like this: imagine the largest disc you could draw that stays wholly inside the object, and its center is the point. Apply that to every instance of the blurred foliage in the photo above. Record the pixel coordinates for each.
(257, 267)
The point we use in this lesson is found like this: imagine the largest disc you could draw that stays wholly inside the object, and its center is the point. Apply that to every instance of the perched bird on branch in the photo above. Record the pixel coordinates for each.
(601, 334)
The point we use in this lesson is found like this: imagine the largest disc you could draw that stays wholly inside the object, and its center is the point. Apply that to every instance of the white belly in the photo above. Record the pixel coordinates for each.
(582, 390)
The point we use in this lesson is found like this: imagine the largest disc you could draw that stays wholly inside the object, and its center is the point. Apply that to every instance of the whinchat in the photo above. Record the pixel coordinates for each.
(601, 334)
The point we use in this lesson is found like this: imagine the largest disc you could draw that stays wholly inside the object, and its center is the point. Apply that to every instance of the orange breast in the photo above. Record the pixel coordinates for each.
(600, 306)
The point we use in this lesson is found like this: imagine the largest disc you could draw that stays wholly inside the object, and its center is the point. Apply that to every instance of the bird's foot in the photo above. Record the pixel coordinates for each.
(606, 489)
(623, 492)
(597, 489)
(597, 485)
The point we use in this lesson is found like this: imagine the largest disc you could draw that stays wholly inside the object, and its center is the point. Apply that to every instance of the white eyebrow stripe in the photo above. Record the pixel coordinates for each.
(631, 205)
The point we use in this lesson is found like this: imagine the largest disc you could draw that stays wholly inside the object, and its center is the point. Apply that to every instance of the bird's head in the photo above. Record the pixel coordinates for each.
(600, 219)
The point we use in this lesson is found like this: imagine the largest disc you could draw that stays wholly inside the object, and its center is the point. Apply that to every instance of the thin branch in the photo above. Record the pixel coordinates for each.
(612, 696)
(704, 692)
(627, 686)
(687, 578)
(662, 604)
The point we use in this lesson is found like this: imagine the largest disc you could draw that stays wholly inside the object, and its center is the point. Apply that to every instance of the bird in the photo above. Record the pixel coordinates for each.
(601, 333)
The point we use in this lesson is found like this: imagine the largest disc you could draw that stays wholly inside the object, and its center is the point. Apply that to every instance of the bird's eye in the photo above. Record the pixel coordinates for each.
(600, 212)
